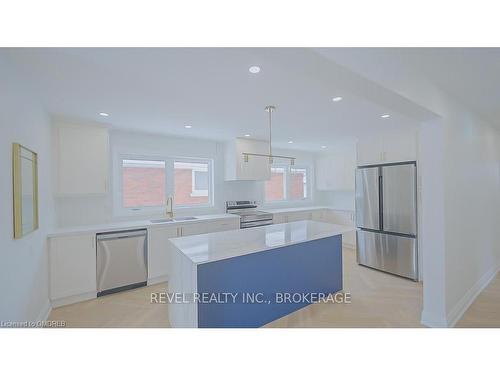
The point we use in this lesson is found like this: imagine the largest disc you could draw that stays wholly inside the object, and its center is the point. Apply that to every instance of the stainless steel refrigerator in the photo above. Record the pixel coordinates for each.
(386, 218)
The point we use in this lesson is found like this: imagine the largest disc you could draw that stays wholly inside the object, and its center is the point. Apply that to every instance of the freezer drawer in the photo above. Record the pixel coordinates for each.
(399, 198)
(121, 261)
(389, 253)
(367, 198)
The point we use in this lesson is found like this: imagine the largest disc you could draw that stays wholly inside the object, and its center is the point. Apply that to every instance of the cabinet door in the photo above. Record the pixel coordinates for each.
(82, 159)
(317, 215)
(223, 225)
(324, 174)
(278, 218)
(72, 266)
(209, 227)
(336, 172)
(298, 216)
(343, 218)
(159, 251)
(193, 228)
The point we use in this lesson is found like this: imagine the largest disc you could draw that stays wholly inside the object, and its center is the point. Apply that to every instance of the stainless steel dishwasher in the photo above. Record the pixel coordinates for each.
(122, 261)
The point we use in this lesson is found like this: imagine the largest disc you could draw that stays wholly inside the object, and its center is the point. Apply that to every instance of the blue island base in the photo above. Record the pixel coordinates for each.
(252, 290)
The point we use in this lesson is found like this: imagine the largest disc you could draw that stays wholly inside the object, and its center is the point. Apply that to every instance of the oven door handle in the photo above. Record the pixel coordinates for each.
(259, 223)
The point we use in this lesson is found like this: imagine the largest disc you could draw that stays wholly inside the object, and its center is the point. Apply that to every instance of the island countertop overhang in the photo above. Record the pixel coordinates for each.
(212, 247)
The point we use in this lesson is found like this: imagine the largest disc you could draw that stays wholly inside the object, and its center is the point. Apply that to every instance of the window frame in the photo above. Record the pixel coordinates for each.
(199, 192)
(121, 210)
(287, 182)
(210, 182)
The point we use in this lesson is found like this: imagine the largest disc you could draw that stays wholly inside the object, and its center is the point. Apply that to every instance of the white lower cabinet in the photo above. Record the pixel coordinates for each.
(159, 246)
(72, 265)
(279, 218)
(325, 215)
(343, 218)
(72, 258)
(288, 217)
(158, 252)
(317, 215)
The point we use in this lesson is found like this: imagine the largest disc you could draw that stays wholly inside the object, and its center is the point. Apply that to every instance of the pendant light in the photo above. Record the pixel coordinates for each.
(269, 109)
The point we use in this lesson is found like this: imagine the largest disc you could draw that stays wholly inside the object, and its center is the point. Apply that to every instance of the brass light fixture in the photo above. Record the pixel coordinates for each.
(269, 109)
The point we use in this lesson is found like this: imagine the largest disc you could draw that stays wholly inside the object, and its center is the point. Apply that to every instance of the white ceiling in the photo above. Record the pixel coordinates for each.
(471, 76)
(162, 90)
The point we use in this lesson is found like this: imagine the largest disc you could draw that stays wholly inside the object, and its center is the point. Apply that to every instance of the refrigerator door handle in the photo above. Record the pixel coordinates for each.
(381, 201)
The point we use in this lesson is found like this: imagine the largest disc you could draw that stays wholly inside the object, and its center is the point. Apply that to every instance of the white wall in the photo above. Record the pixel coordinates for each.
(472, 209)
(94, 209)
(23, 265)
(460, 185)
(460, 159)
(432, 241)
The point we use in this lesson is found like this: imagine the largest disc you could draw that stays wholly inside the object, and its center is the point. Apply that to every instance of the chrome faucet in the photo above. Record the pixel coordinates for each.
(169, 211)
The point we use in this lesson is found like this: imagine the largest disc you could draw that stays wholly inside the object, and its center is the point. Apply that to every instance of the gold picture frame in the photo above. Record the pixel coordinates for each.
(25, 190)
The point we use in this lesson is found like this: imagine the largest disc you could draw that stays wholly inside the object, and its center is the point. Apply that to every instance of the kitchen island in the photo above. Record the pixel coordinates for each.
(249, 277)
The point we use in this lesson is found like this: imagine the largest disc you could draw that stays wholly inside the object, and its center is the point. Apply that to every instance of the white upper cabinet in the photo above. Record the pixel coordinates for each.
(256, 169)
(82, 158)
(336, 171)
(388, 147)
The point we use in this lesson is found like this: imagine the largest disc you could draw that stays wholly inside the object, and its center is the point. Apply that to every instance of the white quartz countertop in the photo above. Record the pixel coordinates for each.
(127, 225)
(204, 248)
(299, 209)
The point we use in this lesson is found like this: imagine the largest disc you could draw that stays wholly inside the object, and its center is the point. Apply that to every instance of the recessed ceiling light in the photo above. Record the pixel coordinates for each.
(104, 114)
(254, 69)
(290, 141)
(247, 135)
(323, 146)
(385, 116)
(337, 99)
(188, 126)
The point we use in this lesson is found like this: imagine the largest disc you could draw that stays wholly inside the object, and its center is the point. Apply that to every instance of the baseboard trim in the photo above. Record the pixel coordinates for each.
(430, 321)
(73, 299)
(158, 280)
(464, 303)
(44, 311)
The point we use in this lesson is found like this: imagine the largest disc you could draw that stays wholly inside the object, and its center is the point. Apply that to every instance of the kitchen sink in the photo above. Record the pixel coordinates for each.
(180, 218)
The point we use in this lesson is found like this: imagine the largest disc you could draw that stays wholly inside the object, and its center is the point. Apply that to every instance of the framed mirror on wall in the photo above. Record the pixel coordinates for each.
(25, 189)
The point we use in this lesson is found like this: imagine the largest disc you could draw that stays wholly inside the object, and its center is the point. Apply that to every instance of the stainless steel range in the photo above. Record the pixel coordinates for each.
(249, 216)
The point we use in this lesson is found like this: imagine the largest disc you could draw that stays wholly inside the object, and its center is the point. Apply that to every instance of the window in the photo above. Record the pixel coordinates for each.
(298, 183)
(287, 183)
(275, 186)
(191, 183)
(145, 183)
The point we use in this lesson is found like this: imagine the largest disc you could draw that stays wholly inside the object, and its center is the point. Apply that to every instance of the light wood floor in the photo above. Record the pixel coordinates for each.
(128, 309)
(377, 300)
(485, 311)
